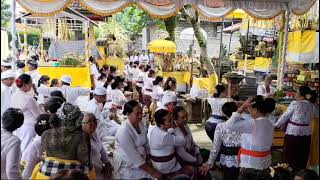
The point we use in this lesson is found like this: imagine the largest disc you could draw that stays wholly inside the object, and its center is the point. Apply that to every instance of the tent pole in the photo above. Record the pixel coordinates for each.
(220, 52)
(284, 48)
(230, 35)
(14, 34)
(280, 50)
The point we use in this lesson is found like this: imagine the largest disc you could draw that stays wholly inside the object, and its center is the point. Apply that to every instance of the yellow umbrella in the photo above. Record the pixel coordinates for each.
(162, 46)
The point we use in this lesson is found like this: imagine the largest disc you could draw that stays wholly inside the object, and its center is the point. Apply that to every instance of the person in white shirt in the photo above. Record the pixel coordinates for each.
(266, 89)
(256, 134)
(131, 147)
(20, 68)
(101, 80)
(94, 71)
(21, 99)
(7, 80)
(72, 93)
(12, 119)
(33, 71)
(226, 143)
(106, 127)
(216, 102)
(136, 57)
(297, 120)
(34, 152)
(147, 88)
(43, 89)
(157, 90)
(117, 96)
(5, 65)
(144, 58)
(163, 144)
(99, 157)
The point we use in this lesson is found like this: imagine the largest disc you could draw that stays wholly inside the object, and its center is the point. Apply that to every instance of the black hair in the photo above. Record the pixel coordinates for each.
(54, 82)
(228, 108)
(34, 58)
(113, 69)
(282, 174)
(151, 72)
(23, 79)
(64, 83)
(20, 64)
(53, 104)
(136, 63)
(220, 89)
(42, 124)
(159, 116)
(43, 79)
(167, 85)
(70, 174)
(129, 106)
(33, 63)
(176, 111)
(12, 119)
(109, 79)
(130, 63)
(306, 91)
(57, 93)
(117, 81)
(105, 67)
(157, 80)
(102, 76)
(91, 58)
(307, 174)
(264, 106)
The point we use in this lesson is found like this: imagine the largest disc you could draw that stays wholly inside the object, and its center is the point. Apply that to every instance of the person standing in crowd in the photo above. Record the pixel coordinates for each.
(227, 143)
(12, 119)
(34, 152)
(32, 65)
(106, 127)
(144, 58)
(256, 135)
(31, 110)
(147, 88)
(43, 89)
(66, 147)
(266, 89)
(99, 157)
(170, 85)
(157, 91)
(297, 120)
(5, 65)
(72, 93)
(7, 80)
(163, 143)
(55, 83)
(20, 68)
(94, 71)
(216, 102)
(131, 146)
(107, 85)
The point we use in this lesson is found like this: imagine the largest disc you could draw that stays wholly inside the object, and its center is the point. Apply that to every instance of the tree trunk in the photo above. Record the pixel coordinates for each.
(170, 24)
(195, 23)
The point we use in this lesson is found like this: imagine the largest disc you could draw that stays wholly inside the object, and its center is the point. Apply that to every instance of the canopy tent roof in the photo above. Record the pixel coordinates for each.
(265, 9)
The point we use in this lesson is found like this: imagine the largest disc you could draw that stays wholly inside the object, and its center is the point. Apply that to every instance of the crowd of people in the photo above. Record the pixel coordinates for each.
(45, 135)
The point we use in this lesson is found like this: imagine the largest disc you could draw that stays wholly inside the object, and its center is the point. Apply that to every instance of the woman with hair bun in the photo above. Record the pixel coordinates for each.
(131, 146)
(43, 89)
(216, 102)
(21, 99)
(157, 90)
(256, 134)
(297, 120)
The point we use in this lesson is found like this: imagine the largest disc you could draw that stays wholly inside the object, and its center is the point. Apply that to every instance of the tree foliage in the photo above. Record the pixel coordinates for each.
(170, 25)
(5, 13)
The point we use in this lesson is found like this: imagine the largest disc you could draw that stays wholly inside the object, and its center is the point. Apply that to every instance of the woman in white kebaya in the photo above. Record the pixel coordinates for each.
(21, 99)
(157, 91)
(163, 144)
(10, 144)
(117, 96)
(43, 89)
(131, 147)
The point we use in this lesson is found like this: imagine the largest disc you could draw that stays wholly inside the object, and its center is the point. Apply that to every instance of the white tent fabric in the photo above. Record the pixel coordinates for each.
(166, 8)
(188, 34)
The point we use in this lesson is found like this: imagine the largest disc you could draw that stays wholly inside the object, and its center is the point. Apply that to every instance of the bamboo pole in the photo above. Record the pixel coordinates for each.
(25, 38)
(280, 50)
(284, 48)
(14, 34)
(41, 46)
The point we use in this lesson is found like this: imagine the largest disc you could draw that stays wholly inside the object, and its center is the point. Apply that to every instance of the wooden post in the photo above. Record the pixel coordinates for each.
(41, 46)
(14, 34)
(284, 48)
(280, 51)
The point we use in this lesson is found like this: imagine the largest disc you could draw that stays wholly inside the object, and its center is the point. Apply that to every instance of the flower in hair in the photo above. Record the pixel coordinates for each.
(18, 82)
(308, 96)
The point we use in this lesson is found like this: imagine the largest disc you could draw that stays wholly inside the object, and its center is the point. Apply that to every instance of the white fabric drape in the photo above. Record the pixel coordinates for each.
(266, 9)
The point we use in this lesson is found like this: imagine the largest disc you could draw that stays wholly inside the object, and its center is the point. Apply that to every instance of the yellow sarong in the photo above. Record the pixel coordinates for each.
(37, 175)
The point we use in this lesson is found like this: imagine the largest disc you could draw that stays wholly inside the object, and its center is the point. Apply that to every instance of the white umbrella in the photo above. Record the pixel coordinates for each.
(188, 34)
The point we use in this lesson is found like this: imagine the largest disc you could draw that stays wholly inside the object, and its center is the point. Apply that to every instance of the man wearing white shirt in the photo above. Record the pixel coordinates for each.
(5, 65)
(33, 70)
(7, 80)
(136, 57)
(266, 89)
(144, 58)
(94, 73)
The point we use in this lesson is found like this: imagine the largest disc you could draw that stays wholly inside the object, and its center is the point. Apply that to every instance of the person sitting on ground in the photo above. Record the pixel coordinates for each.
(57, 93)
(66, 147)
(12, 119)
(70, 174)
(99, 157)
(113, 71)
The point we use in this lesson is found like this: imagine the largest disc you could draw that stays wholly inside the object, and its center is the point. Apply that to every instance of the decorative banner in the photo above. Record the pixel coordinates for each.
(44, 7)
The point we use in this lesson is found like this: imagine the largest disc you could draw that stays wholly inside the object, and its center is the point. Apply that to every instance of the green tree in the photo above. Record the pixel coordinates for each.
(5, 13)
(170, 25)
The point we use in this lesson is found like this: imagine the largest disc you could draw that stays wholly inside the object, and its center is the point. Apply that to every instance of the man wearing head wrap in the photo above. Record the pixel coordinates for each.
(32, 65)
(5, 65)
(7, 80)
(105, 126)
(66, 147)
(72, 93)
